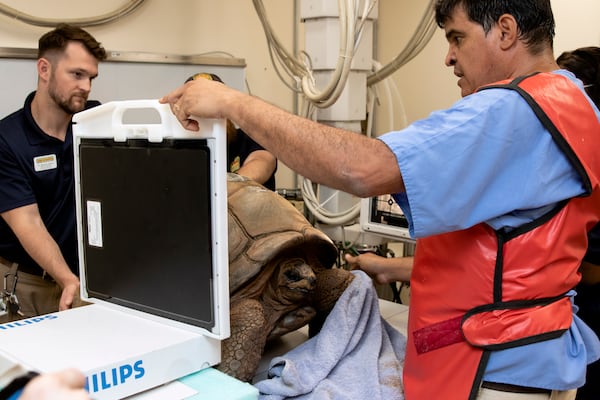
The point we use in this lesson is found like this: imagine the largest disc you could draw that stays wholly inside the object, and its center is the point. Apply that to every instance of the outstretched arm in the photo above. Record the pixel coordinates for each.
(331, 156)
(382, 269)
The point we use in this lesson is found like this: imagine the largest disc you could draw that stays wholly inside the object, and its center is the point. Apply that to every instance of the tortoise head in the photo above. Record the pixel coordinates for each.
(296, 280)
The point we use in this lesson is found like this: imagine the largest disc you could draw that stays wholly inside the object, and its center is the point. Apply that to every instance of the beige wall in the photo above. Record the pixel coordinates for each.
(173, 27)
(231, 26)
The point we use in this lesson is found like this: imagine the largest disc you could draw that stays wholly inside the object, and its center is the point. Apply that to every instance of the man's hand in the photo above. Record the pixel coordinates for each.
(201, 98)
(70, 293)
(382, 269)
(67, 384)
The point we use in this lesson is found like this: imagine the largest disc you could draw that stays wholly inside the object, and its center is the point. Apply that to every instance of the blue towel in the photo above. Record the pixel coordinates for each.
(356, 355)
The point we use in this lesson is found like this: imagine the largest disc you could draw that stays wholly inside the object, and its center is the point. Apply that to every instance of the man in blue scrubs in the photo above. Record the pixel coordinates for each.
(500, 191)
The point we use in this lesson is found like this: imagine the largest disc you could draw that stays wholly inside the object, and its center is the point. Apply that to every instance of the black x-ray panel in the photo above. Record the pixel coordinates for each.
(147, 226)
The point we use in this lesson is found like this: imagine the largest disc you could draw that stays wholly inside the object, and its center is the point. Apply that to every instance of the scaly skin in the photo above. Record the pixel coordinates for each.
(292, 298)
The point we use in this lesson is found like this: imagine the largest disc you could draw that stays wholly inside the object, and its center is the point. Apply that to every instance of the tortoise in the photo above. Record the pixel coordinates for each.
(282, 274)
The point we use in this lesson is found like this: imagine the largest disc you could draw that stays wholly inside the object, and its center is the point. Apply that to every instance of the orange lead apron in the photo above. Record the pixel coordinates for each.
(478, 290)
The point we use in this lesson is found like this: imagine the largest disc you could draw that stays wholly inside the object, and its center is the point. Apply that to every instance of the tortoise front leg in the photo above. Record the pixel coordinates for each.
(242, 351)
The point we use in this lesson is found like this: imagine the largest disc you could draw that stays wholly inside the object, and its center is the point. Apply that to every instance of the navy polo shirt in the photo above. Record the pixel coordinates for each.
(37, 168)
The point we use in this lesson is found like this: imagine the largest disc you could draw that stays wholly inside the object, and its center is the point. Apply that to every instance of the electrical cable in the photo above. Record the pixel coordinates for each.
(127, 8)
(422, 35)
(321, 213)
(299, 70)
(311, 199)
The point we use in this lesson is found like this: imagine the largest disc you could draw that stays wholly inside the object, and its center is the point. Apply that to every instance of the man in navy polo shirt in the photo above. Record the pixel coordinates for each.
(244, 156)
(38, 241)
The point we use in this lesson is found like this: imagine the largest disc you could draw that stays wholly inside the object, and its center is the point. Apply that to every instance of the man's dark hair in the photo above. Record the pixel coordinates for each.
(57, 40)
(534, 17)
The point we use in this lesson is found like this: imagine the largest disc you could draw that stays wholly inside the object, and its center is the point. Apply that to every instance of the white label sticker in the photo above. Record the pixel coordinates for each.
(94, 222)
(44, 163)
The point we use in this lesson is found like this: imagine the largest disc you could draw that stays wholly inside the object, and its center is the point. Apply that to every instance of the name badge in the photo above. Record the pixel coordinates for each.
(44, 163)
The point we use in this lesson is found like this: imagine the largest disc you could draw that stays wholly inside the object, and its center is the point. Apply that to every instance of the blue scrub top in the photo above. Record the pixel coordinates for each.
(489, 159)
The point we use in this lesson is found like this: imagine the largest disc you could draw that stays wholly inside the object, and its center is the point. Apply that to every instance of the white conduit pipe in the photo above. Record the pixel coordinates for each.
(125, 9)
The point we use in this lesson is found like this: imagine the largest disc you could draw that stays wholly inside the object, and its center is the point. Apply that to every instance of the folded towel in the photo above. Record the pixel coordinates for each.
(356, 355)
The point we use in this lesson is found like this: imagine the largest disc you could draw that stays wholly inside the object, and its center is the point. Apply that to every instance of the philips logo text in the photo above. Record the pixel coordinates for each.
(116, 376)
(26, 322)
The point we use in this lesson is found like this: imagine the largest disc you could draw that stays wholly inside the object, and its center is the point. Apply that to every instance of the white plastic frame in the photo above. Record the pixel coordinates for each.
(106, 121)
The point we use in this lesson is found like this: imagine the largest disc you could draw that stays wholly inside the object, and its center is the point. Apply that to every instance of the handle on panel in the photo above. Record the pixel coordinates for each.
(154, 132)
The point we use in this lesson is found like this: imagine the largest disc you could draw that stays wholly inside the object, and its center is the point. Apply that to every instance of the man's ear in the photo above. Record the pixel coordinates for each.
(509, 31)
(44, 67)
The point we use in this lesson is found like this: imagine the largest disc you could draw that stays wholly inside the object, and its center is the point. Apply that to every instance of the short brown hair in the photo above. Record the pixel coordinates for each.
(58, 39)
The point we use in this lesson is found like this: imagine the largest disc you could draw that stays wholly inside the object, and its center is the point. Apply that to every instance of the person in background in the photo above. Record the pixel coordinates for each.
(492, 188)
(584, 62)
(244, 156)
(38, 240)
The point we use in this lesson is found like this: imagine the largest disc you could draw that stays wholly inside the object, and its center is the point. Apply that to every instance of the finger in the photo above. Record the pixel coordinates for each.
(62, 304)
(71, 377)
(351, 259)
(172, 97)
(66, 299)
(178, 111)
(190, 124)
